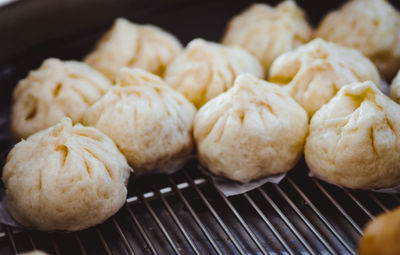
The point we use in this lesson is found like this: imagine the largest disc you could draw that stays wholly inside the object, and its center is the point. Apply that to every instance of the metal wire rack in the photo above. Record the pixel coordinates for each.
(185, 214)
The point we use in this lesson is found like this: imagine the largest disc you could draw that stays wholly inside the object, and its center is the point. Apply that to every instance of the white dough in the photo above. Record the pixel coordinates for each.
(251, 131)
(354, 139)
(206, 69)
(133, 45)
(57, 89)
(65, 178)
(150, 122)
(371, 26)
(267, 31)
(314, 72)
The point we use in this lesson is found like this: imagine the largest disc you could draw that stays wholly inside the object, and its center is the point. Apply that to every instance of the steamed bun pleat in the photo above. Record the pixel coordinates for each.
(57, 89)
(150, 122)
(205, 69)
(251, 131)
(354, 139)
(65, 178)
(128, 44)
(371, 26)
(314, 72)
(267, 32)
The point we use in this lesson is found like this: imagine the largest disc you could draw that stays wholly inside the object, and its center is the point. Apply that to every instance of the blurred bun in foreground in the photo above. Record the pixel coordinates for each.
(381, 235)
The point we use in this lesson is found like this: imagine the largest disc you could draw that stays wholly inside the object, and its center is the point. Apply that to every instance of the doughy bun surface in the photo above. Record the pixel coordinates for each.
(65, 178)
(381, 235)
(267, 32)
(371, 26)
(354, 140)
(57, 89)
(314, 72)
(128, 44)
(251, 131)
(206, 69)
(150, 122)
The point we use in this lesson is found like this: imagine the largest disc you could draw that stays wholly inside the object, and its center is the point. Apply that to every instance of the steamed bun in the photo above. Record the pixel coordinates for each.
(206, 69)
(354, 140)
(381, 235)
(57, 89)
(395, 88)
(132, 45)
(314, 72)
(371, 26)
(251, 131)
(267, 32)
(65, 178)
(149, 121)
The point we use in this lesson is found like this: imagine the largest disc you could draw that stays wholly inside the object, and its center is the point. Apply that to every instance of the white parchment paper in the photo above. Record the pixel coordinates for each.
(232, 188)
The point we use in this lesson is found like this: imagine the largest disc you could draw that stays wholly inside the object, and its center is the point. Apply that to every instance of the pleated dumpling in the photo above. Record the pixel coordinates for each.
(314, 72)
(65, 178)
(251, 131)
(395, 88)
(267, 32)
(371, 26)
(150, 122)
(132, 45)
(354, 139)
(57, 89)
(205, 69)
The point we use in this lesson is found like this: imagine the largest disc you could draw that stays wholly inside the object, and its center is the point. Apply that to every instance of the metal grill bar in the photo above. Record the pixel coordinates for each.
(193, 214)
(55, 245)
(141, 230)
(101, 237)
(379, 203)
(320, 216)
(31, 240)
(355, 200)
(176, 220)
(123, 237)
(241, 221)
(317, 236)
(10, 236)
(159, 224)
(336, 204)
(304, 219)
(81, 247)
(396, 197)
(268, 223)
(214, 213)
(286, 220)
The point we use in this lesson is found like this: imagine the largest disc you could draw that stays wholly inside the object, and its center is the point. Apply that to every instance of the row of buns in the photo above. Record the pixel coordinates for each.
(142, 102)
(204, 69)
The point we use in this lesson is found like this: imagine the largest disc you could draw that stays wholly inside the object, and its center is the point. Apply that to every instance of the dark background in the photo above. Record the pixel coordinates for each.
(33, 30)
(29, 26)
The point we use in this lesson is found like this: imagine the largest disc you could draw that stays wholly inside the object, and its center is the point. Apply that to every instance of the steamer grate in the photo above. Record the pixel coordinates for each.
(185, 214)
(182, 213)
